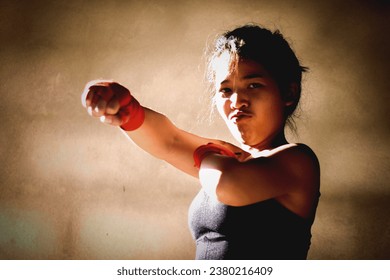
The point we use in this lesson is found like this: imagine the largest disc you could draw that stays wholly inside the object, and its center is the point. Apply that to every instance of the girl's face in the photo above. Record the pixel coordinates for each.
(250, 103)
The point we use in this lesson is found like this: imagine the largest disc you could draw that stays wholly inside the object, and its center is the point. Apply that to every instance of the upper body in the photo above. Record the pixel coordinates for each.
(255, 101)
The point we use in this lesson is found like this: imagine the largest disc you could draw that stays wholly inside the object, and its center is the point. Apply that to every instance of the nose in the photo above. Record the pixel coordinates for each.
(238, 100)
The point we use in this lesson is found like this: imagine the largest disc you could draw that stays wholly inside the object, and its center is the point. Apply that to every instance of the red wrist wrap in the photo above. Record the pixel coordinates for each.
(131, 112)
(132, 115)
(203, 151)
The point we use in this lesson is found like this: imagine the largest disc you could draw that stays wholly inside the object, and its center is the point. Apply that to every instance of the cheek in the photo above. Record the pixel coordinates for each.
(223, 107)
(277, 111)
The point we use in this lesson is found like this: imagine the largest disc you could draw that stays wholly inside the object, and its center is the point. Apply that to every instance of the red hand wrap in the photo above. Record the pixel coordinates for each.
(131, 112)
(132, 115)
(203, 151)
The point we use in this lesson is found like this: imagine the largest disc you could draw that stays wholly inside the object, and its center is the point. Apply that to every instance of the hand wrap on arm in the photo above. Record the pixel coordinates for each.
(132, 115)
(203, 151)
(131, 112)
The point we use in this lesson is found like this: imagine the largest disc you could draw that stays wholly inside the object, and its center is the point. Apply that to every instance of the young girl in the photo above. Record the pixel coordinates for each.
(257, 201)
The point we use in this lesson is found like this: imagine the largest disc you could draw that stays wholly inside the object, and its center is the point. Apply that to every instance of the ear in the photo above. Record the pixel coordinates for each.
(291, 95)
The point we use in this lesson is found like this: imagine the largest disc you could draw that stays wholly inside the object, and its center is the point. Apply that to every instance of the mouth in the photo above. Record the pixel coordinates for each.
(239, 116)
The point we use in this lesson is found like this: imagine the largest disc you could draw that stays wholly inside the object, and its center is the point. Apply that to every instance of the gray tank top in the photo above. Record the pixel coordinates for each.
(263, 230)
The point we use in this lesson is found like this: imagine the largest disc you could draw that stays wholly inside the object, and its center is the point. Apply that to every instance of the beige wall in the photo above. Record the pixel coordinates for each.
(72, 188)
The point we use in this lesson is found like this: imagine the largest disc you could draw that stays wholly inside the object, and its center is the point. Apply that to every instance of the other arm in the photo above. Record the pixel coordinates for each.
(292, 174)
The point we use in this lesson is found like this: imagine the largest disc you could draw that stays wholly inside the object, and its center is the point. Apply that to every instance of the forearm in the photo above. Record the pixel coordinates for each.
(156, 135)
(159, 137)
(239, 183)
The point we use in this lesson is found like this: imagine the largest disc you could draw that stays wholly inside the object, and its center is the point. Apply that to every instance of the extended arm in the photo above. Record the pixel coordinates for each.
(150, 130)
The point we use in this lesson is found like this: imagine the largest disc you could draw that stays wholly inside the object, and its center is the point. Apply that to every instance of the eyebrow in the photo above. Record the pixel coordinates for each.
(252, 76)
(247, 77)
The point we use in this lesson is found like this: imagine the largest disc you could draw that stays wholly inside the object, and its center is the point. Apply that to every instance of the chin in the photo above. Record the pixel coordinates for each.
(251, 142)
(245, 141)
(245, 137)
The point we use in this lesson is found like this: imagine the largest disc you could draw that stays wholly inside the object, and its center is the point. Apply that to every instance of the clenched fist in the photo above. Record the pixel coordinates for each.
(113, 104)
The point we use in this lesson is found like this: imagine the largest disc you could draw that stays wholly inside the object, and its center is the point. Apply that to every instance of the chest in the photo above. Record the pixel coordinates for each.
(267, 217)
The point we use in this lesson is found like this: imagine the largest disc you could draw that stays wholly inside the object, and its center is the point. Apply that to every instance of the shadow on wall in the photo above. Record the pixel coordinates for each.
(354, 226)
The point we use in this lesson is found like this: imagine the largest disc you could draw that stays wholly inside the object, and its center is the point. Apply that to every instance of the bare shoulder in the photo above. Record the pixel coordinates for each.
(297, 154)
(298, 162)
(302, 163)
(305, 156)
(303, 166)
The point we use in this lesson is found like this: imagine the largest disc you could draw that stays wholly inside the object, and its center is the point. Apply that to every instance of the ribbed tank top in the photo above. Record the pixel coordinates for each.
(263, 230)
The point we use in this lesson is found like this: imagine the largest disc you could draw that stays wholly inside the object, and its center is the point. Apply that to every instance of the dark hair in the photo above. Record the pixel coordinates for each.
(270, 49)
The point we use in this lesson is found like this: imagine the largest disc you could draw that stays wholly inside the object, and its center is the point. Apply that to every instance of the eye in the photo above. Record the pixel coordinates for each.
(226, 92)
(255, 85)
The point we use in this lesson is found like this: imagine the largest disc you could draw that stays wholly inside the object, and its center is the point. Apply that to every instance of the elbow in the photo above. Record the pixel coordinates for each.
(225, 195)
(230, 189)
(227, 190)
(218, 178)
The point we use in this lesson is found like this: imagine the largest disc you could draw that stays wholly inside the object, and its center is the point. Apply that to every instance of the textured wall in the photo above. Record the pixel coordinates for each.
(72, 188)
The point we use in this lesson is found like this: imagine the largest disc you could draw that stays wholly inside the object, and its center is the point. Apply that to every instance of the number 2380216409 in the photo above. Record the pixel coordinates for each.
(226, 270)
